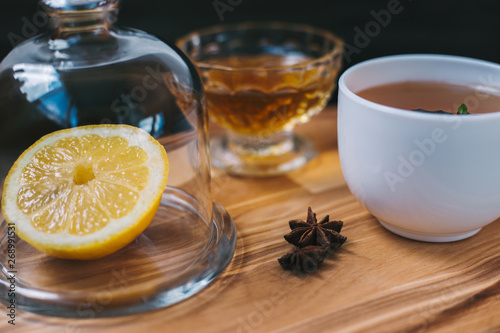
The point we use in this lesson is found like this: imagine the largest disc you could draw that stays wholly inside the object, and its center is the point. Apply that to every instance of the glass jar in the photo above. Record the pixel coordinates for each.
(84, 71)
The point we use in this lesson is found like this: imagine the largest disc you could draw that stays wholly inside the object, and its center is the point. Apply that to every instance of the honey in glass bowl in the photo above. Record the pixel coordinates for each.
(256, 107)
(260, 81)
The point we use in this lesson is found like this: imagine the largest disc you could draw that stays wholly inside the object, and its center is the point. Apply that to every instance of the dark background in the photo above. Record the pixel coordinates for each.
(459, 27)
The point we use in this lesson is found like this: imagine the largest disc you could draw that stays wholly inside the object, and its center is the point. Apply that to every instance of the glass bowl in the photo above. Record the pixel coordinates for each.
(260, 81)
(86, 71)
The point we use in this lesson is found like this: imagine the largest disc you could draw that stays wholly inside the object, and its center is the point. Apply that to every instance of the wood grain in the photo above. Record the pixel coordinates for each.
(377, 282)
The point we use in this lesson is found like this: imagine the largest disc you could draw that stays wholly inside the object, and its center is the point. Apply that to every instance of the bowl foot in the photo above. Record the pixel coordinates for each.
(428, 237)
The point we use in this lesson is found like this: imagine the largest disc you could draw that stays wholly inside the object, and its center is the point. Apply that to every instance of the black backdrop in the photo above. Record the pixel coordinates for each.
(459, 27)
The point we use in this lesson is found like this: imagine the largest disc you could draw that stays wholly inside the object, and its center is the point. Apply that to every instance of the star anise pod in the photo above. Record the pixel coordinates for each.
(303, 260)
(326, 233)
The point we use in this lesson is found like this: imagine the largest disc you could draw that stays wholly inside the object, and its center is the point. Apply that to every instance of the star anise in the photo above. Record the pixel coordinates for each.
(462, 109)
(326, 233)
(304, 260)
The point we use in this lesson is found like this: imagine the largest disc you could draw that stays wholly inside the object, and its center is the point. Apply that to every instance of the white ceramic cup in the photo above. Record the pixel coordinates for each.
(428, 177)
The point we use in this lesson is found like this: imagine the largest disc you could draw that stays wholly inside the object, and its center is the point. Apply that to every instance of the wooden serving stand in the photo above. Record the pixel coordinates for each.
(377, 281)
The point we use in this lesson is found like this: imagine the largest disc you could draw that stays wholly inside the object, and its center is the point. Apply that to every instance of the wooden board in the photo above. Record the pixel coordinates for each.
(377, 282)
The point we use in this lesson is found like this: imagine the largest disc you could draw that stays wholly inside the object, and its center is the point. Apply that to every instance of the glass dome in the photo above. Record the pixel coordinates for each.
(86, 71)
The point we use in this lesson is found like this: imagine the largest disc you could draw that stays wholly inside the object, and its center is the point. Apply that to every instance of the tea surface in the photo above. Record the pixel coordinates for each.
(434, 95)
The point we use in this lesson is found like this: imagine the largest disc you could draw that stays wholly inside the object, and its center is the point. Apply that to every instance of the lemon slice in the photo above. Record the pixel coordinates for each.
(86, 192)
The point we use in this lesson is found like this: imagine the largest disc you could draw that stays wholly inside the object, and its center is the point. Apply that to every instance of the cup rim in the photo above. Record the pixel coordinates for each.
(413, 115)
(337, 49)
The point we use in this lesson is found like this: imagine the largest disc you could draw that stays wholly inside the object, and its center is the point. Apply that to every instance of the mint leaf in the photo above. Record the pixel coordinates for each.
(462, 109)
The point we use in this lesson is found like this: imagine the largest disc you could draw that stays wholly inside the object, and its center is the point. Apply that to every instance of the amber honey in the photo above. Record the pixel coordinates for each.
(263, 94)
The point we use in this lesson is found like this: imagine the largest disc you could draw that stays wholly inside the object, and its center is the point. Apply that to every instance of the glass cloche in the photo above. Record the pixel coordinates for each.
(83, 71)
